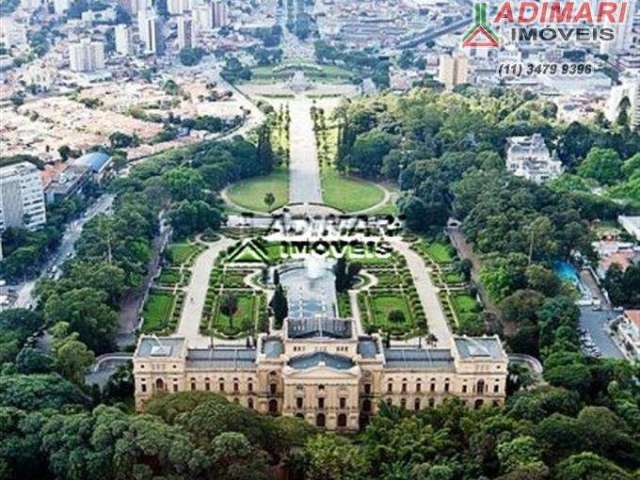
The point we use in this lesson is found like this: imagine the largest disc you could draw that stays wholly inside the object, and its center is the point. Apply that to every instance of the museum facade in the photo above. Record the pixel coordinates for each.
(321, 370)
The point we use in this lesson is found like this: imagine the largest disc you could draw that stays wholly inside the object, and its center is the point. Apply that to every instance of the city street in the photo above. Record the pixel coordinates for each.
(66, 249)
(595, 322)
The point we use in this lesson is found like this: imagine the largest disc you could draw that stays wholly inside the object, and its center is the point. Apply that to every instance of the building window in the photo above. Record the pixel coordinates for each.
(273, 406)
(366, 406)
(207, 385)
(193, 384)
(389, 401)
(321, 403)
(496, 388)
(250, 403)
(236, 385)
(446, 384)
(403, 403)
(343, 402)
(478, 403)
(416, 404)
(432, 387)
(432, 402)
(236, 400)
(320, 420)
(159, 385)
(143, 388)
(250, 387)
(342, 420)
(299, 402)
(418, 386)
(321, 388)
(367, 389)
(464, 388)
(273, 388)
(175, 387)
(389, 387)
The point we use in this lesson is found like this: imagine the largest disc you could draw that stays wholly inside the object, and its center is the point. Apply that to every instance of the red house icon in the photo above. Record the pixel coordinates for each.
(479, 36)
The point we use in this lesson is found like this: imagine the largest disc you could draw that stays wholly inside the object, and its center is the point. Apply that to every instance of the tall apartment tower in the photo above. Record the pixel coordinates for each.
(185, 33)
(124, 43)
(150, 30)
(220, 14)
(623, 33)
(453, 70)
(178, 7)
(202, 16)
(21, 197)
(61, 6)
(86, 56)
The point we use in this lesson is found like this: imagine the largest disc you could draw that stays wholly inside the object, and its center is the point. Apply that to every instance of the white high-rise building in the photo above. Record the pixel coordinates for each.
(453, 70)
(220, 14)
(86, 56)
(630, 89)
(202, 16)
(623, 33)
(12, 33)
(21, 197)
(185, 33)
(124, 44)
(178, 7)
(31, 4)
(61, 6)
(150, 30)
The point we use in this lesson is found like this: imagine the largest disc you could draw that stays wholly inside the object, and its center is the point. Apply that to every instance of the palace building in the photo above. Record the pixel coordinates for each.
(321, 370)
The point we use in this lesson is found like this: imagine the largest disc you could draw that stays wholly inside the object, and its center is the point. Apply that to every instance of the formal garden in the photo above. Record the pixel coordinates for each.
(452, 277)
(391, 305)
(163, 306)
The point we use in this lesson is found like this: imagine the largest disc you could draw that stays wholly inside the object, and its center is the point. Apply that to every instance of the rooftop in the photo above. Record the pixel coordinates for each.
(367, 347)
(633, 316)
(318, 327)
(489, 348)
(303, 362)
(419, 358)
(221, 358)
(94, 160)
(158, 347)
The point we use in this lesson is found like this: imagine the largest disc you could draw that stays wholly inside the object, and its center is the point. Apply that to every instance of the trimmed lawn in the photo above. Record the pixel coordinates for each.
(453, 277)
(242, 321)
(169, 277)
(329, 73)
(467, 309)
(348, 193)
(440, 252)
(381, 305)
(250, 193)
(179, 253)
(157, 312)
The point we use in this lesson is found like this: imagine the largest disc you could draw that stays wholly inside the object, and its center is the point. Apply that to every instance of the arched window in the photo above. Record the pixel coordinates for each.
(366, 405)
(390, 386)
(478, 403)
(432, 402)
(236, 400)
(250, 403)
(250, 385)
(446, 384)
(404, 385)
(221, 384)
(320, 420)
(416, 404)
(193, 383)
(236, 385)
(300, 415)
(480, 386)
(273, 406)
(159, 385)
(207, 384)
(342, 420)
(321, 388)
(433, 385)
(418, 385)
(403, 403)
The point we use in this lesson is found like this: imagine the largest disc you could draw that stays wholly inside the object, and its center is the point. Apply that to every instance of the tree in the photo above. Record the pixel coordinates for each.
(264, 150)
(229, 306)
(589, 466)
(71, 356)
(368, 152)
(631, 166)
(269, 199)
(64, 152)
(517, 453)
(191, 56)
(279, 305)
(601, 164)
(31, 360)
(330, 457)
(396, 317)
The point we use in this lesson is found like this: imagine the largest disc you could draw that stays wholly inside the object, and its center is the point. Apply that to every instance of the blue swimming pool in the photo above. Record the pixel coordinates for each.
(566, 272)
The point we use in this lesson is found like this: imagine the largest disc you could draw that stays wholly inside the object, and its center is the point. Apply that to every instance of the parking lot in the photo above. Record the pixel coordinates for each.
(594, 333)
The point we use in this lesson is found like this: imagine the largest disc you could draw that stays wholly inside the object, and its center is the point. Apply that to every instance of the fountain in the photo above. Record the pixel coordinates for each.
(310, 286)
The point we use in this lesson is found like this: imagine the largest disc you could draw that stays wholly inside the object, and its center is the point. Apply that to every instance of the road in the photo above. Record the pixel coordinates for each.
(596, 322)
(66, 249)
(304, 170)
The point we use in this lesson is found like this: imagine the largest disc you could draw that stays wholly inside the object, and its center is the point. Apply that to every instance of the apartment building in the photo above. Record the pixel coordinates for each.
(86, 56)
(21, 197)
